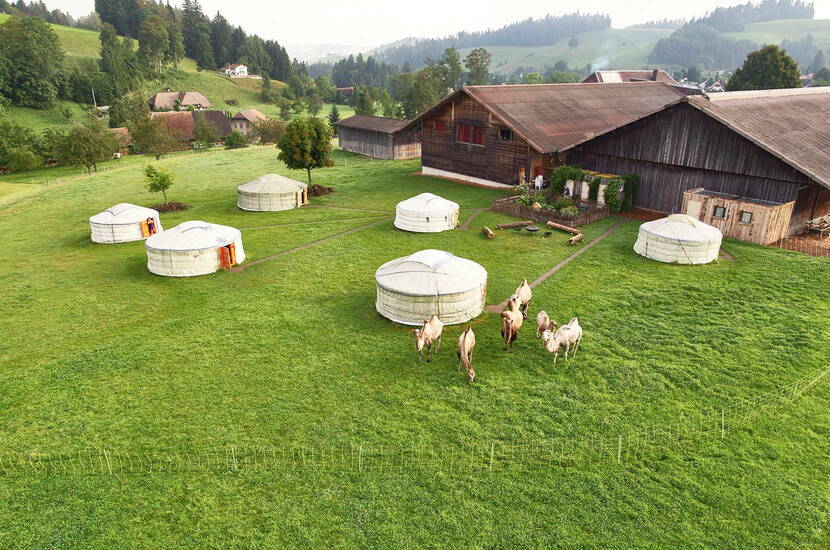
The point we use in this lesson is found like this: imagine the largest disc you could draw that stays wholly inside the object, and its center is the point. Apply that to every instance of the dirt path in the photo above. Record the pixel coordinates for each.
(470, 219)
(500, 307)
(242, 267)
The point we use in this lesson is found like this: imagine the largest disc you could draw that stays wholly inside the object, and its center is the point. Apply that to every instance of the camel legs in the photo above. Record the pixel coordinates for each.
(579, 341)
(438, 344)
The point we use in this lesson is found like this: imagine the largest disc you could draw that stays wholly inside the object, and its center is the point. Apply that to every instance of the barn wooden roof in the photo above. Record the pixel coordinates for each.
(373, 123)
(557, 117)
(790, 124)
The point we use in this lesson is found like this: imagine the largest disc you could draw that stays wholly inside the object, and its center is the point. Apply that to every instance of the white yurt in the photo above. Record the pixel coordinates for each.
(679, 239)
(413, 288)
(194, 248)
(271, 192)
(124, 223)
(426, 213)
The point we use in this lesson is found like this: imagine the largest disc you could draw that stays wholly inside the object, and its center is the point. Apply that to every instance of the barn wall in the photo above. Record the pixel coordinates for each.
(681, 148)
(365, 142)
(496, 160)
(407, 145)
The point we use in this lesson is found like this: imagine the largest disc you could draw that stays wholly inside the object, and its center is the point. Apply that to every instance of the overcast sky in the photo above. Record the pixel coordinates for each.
(375, 22)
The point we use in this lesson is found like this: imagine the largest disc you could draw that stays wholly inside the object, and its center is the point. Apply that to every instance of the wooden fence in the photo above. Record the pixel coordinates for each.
(510, 207)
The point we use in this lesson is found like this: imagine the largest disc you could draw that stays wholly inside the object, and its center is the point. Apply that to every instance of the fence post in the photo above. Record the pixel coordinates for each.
(722, 424)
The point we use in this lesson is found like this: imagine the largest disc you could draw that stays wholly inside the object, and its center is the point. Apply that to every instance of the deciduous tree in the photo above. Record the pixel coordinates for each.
(35, 58)
(204, 131)
(766, 69)
(306, 145)
(158, 180)
(152, 137)
(270, 130)
(87, 144)
(478, 67)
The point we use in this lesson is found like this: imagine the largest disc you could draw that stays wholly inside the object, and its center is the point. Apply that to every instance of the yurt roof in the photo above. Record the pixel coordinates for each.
(272, 184)
(123, 213)
(430, 273)
(194, 235)
(682, 228)
(427, 203)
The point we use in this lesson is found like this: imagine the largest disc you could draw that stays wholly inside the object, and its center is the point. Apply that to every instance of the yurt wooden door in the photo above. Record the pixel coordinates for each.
(227, 256)
(148, 227)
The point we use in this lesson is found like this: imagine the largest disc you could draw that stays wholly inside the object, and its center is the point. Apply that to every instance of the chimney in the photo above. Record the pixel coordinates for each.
(654, 74)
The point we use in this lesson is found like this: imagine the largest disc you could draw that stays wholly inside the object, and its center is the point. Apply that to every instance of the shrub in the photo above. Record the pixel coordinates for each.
(630, 189)
(235, 140)
(569, 212)
(611, 194)
(562, 174)
(593, 189)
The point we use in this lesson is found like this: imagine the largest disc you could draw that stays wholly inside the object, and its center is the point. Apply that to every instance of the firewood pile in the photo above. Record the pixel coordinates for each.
(821, 225)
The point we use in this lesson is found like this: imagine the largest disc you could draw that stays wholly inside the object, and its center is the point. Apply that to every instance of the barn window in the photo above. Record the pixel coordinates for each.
(720, 212)
(440, 126)
(505, 134)
(473, 135)
(746, 217)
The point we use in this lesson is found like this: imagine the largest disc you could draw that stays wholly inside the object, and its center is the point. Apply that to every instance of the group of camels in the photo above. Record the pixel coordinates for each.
(552, 335)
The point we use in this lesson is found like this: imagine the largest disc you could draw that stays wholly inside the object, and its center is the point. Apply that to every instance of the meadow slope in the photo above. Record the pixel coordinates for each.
(289, 354)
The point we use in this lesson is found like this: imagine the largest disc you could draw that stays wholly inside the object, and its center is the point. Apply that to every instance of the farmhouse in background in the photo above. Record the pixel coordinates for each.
(243, 121)
(378, 137)
(235, 70)
(760, 170)
(171, 101)
(654, 75)
(503, 135)
(180, 123)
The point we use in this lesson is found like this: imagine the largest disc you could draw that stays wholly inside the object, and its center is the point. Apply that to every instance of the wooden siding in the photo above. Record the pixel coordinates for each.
(379, 145)
(770, 222)
(496, 160)
(681, 148)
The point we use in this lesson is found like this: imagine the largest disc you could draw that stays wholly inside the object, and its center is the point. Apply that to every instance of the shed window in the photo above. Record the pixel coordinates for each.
(720, 212)
(746, 217)
(440, 126)
(473, 135)
(505, 134)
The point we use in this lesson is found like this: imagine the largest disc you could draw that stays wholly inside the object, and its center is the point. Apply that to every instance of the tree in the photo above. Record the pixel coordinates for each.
(766, 69)
(333, 117)
(364, 104)
(821, 77)
(204, 53)
(118, 60)
(18, 146)
(478, 67)
(270, 130)
(314, 104)
(306, 145)
(221, 38)
(694, 74)
(153, 42)
(175, 43)
(236, 140)
(451, 63)
(157, 180)
(204, 131)
(533, 78)
(573, 42)
(151, 137)
(87, 144)
(818, 63)
(285, 110)
(128, 110)
(35, 58)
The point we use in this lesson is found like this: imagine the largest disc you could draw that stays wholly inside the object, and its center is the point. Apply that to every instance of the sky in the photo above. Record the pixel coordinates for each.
(369, 23)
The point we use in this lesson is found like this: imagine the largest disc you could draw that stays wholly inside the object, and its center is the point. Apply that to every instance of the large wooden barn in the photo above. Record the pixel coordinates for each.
(503, 135)
(378, 137)
(771, 146)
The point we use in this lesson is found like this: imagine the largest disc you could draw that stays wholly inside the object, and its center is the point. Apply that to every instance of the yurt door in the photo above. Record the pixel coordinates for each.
(227, 256)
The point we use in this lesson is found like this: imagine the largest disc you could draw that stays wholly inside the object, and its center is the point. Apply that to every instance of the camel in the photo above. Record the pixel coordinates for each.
(466, 343)
(567, 335)
(511, 322)
(429, 333)
(524, 294)
(543, 323)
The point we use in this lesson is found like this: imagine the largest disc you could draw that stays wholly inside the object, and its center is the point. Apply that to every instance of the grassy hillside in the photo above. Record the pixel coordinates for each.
(288, 358)
(82, 49)
(773, 32)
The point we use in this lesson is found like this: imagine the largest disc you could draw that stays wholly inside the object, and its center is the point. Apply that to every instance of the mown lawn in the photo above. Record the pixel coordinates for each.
(289, 353)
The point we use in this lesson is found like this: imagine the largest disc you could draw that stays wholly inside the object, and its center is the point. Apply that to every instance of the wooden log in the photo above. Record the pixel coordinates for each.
(487, 231)
(512, 225)
(559, 226)
(576, 238)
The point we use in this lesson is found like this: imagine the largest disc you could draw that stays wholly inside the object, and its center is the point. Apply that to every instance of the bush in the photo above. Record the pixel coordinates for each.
(611, 195)
(593, 189)
(235, 140)
(631, 186)
(569, 212)
(562, 174)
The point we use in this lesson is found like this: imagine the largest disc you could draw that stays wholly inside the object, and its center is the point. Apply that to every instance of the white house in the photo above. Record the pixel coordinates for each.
(235, 70)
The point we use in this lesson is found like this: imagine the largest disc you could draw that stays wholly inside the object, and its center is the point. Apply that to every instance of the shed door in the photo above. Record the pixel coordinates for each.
(693, 209)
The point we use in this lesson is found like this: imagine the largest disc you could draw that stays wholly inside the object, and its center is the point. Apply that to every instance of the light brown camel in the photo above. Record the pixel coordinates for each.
(429, 333)
(466, 343)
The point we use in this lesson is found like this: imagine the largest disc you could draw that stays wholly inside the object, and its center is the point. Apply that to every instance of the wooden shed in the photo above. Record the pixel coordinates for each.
(744, 218)
(378, 137)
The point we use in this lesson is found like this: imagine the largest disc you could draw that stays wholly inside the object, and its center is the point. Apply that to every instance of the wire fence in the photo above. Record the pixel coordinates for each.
(610, 448)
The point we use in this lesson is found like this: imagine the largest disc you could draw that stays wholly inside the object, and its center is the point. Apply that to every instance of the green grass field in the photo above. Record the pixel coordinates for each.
(287, 354)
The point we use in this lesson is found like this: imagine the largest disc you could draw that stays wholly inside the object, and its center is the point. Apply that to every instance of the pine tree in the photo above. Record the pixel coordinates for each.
(221, 36)
(175, 43)
(333, 116)
(153, 40)
(204, 53)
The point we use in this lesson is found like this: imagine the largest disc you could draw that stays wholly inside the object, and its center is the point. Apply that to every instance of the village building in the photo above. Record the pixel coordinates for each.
(500, 136)
(379, 137)
(180, 123)
(653, 75)
(235, 70)
(758, 168)
(244, 121)
(174, 101)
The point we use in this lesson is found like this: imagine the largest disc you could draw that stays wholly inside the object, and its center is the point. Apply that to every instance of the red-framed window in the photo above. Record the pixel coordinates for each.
(440, 126)
(466, 133)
